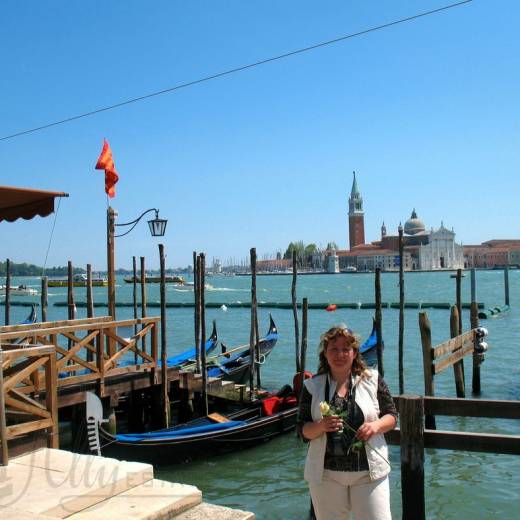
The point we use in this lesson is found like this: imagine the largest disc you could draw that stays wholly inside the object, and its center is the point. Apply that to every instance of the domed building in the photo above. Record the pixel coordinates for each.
(413, 225)
(423, 250)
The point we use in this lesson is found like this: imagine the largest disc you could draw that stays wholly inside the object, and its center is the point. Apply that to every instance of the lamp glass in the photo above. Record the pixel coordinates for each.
(157, 227)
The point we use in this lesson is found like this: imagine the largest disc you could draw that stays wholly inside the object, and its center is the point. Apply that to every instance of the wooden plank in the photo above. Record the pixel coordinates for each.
(469, 441)
(452, 359)
(453, 344)
(30, 352)
(455, 331)
(52, 324)
(51, 400)
(20, 429)
(216, 417)
(12, 381)
(498, 409)
(27, 408)
(84, 326)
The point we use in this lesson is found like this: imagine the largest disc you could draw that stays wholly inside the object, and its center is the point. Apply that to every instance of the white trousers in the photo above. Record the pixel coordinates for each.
(342, 494)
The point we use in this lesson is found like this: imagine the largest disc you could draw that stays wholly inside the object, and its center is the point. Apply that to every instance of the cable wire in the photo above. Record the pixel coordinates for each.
(233, 71)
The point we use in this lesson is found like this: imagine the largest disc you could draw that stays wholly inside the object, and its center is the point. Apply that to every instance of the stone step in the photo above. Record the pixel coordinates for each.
(207, 511)
(10, 513)
(153, 500)
(59, 483)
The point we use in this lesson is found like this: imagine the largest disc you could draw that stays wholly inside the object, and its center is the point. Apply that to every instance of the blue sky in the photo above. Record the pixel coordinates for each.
(426, 112)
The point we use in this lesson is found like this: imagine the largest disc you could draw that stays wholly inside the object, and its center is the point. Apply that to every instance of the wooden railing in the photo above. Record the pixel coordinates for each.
(87, 350)
(413, 438)
(22, 413)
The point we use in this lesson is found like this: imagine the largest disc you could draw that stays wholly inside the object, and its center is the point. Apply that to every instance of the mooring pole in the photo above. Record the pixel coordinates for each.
(473, 286)
(303, 350)
(252, 342)
(295, 311)
(426, 341)
(202, 288)
(3, 424)
(458, 367)
(90, 306)
(401, 310)
(506, 284)
(379, 320)
(164, 368)
(44, 297)
(411, 411)
(255, 319)
(475, 380)
(196, 310)
(143, 298)
(7, 290)
(459, 299)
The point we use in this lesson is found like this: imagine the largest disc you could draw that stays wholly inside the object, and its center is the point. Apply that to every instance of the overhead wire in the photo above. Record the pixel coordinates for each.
(234, 70)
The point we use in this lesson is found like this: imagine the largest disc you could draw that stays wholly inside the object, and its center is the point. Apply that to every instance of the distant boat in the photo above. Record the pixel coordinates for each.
(157, 279)
(78, 280)
(350, 269)
(454, 275)
(21, 290)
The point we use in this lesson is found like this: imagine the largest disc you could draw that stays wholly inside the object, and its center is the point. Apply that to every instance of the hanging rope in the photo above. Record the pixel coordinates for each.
(50, 238)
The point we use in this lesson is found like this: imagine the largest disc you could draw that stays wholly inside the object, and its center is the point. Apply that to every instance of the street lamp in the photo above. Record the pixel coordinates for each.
(157, 229)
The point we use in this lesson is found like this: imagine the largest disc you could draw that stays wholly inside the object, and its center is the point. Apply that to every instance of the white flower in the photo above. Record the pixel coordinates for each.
(324, 408)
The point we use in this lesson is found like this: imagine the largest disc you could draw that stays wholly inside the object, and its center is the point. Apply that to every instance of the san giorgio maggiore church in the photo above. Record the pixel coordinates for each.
(427, 250)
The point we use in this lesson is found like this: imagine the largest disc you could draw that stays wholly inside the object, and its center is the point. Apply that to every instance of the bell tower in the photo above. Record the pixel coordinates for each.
(356, 216)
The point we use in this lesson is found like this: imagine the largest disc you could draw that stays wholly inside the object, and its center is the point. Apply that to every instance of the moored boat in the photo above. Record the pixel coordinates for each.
(156, 279)
(20, 290)
(78, 280)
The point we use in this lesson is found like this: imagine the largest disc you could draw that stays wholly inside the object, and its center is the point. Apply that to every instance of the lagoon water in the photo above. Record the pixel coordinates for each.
(268, 479)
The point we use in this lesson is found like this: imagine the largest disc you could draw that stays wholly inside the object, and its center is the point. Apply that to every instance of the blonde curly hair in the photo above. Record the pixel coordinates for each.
(359, 368)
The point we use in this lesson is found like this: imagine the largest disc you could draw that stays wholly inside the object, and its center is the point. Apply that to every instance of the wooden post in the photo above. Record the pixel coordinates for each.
(7, 290)
(506, 284)
(379, 320)
(254, 307)
(134, 298)
(426, 340)
(44, 297)
(458, 367)
(196, 313)
(100, 362)
(459, 299)
(252, 342)
(164, 368)
(401, 310)
(90, 304)
(473, 286)
(295, 311)
(411, 412)
(475, 380)
(143, 299)
(70, 300)
(111, 220)
(303, 350)
(3, 425)
(202, 287)
(51, 400)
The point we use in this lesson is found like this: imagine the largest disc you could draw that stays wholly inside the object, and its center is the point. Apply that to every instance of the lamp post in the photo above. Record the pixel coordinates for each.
(157, 229)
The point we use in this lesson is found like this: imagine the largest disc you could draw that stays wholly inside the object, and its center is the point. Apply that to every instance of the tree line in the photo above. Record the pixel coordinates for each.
(306, 254)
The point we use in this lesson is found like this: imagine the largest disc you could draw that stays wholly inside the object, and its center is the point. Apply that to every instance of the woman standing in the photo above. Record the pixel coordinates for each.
(347, 462)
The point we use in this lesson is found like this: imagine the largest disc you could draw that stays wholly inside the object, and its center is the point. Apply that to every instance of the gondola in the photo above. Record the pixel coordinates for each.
(369, 348)
(253, 424)
(235, 364)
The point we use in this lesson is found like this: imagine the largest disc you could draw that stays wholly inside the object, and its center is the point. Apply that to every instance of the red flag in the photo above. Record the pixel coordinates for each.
(106, 162)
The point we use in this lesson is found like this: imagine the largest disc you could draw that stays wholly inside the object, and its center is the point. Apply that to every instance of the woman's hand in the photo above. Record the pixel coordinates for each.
(331, 423)
(382, 425)
(313, 430)
(366, 430)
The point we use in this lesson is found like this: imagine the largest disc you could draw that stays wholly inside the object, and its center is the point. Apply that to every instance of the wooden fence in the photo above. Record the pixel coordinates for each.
(38, 360)
(413, 438)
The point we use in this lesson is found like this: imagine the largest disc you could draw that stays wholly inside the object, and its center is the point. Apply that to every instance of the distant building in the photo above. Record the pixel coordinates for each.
(423, 250)
(356, 216)
(493, 253)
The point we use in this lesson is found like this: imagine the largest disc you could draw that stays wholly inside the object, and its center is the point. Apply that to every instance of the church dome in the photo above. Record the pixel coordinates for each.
(414, 225)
